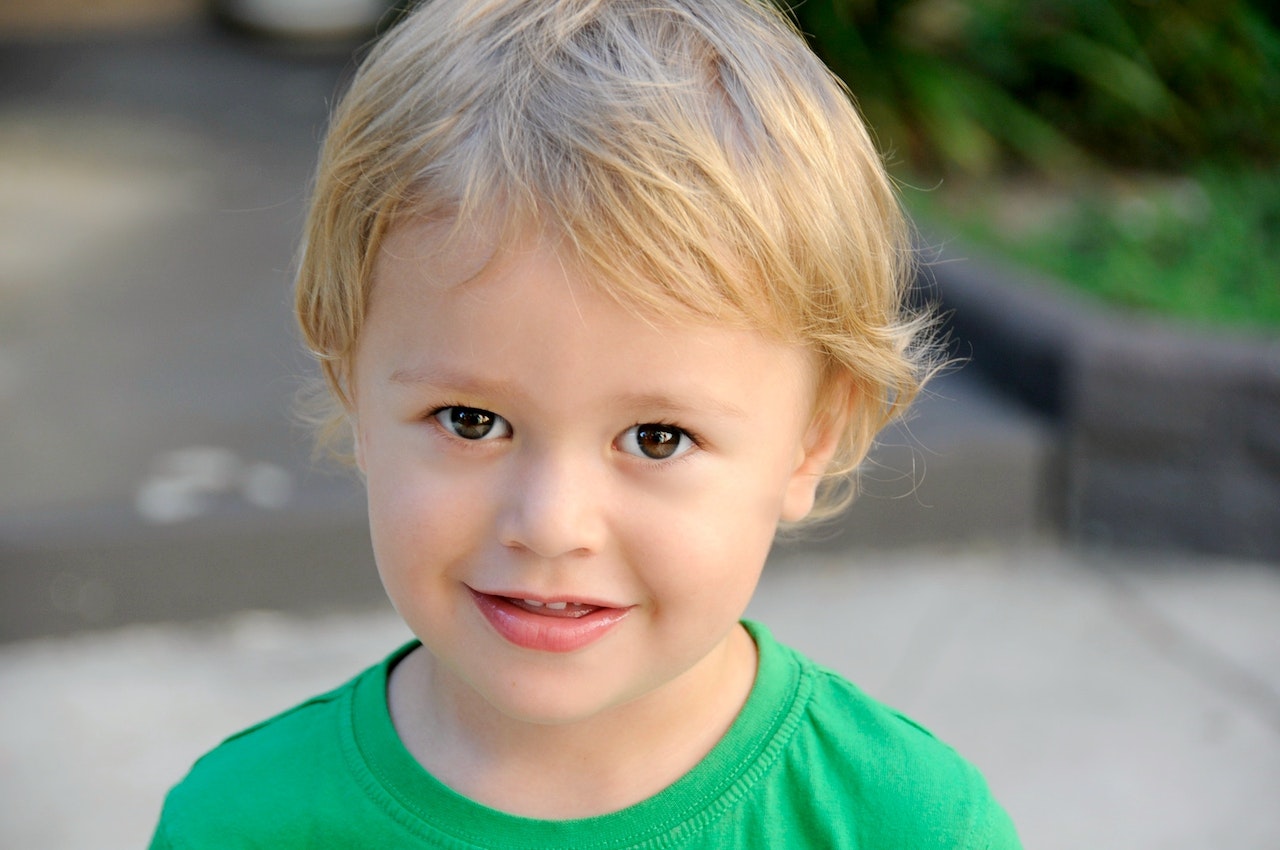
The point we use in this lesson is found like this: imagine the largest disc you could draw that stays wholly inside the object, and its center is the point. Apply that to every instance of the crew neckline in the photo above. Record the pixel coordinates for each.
(427, 806)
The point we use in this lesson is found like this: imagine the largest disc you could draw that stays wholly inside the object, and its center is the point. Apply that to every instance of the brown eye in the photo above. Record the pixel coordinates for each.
(655, 441)
(473, 423)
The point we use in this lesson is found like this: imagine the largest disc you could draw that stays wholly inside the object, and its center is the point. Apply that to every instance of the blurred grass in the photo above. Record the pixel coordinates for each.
(1150, 129)
(977, 86)
(1205, 249)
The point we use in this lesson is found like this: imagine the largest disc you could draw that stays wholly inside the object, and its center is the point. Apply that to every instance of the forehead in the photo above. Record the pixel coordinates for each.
(466, 269)
(446, 252)
(449, 252)
(481, 306)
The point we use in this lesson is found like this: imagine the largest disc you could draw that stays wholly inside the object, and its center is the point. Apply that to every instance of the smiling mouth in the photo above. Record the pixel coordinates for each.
(556, 625)
(571, 610)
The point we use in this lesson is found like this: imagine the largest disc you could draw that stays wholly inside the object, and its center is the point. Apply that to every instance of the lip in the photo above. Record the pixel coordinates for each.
(546, 632)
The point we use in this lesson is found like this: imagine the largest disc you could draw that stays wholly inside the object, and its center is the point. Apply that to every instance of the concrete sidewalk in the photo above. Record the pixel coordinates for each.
(1112, 706)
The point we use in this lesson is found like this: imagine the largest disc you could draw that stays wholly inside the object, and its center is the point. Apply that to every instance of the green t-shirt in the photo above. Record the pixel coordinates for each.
(811, 761)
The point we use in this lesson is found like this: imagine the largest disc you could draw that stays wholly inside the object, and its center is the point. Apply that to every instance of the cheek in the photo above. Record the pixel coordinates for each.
(734, 529)
(413, 513)
(705, 553)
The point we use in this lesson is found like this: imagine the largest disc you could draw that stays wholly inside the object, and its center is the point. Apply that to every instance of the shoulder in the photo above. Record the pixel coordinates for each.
(265, 785)
(247, 785)
(859, 728)
(273, 744)
(880, 775)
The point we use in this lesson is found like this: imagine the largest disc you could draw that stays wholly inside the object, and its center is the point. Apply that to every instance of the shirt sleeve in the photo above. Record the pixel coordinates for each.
(997, 831)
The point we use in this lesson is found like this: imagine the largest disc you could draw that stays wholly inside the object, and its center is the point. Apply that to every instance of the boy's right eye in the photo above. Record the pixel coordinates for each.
(472, 423)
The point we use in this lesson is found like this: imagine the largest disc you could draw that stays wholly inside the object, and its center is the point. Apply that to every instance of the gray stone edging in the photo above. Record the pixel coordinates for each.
(1170, 433)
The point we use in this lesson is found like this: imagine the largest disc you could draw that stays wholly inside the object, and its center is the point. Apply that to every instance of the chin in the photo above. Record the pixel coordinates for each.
(551, 703)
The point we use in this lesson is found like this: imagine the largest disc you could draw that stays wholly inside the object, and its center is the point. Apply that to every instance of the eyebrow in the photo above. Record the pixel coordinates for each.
(471, 385)
(417, 375)
(660, 401)
(450, 379)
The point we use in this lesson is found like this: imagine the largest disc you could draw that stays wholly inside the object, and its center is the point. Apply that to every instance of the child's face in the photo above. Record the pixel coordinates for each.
(524, 437)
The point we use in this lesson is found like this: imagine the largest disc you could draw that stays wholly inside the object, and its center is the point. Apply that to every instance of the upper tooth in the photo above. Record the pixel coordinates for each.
(533, 603)
(557, 606)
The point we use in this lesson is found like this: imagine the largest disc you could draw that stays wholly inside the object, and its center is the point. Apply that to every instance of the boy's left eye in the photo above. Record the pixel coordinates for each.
(655, 441)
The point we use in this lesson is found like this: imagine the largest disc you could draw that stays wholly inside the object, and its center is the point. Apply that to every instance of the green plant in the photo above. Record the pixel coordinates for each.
(1203, 249)
(973, 86)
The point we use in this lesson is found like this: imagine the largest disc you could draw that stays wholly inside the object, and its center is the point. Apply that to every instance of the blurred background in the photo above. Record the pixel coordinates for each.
(1067, 563)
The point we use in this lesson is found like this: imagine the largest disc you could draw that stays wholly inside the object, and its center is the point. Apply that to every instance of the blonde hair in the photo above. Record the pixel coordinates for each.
(695, 155)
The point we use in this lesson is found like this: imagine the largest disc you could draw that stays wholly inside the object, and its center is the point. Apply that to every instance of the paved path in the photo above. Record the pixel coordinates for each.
(1112, 706)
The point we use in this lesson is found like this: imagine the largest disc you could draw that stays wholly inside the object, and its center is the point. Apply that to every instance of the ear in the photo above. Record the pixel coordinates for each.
(821, 441)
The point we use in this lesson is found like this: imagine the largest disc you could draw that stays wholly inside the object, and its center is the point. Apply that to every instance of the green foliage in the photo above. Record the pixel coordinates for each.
(1202, 249)
(1080, 96)
(975, 85)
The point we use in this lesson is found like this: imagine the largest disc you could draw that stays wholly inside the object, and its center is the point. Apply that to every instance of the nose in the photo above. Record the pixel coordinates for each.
(553, 506)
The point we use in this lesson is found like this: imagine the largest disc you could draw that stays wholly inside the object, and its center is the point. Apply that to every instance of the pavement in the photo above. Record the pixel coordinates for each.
(1111, 705)
(174, 566)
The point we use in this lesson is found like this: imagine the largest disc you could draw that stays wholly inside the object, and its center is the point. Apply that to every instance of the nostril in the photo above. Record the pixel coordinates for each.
(552, 508)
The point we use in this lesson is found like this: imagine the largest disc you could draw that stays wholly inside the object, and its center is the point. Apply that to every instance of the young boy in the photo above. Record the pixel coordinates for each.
(605, 291)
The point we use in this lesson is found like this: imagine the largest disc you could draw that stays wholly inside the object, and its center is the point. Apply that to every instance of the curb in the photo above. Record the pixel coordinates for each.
(1170, 433)
(101, 567)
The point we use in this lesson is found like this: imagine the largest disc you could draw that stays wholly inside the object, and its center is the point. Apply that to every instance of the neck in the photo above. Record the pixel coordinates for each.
(600, 764)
